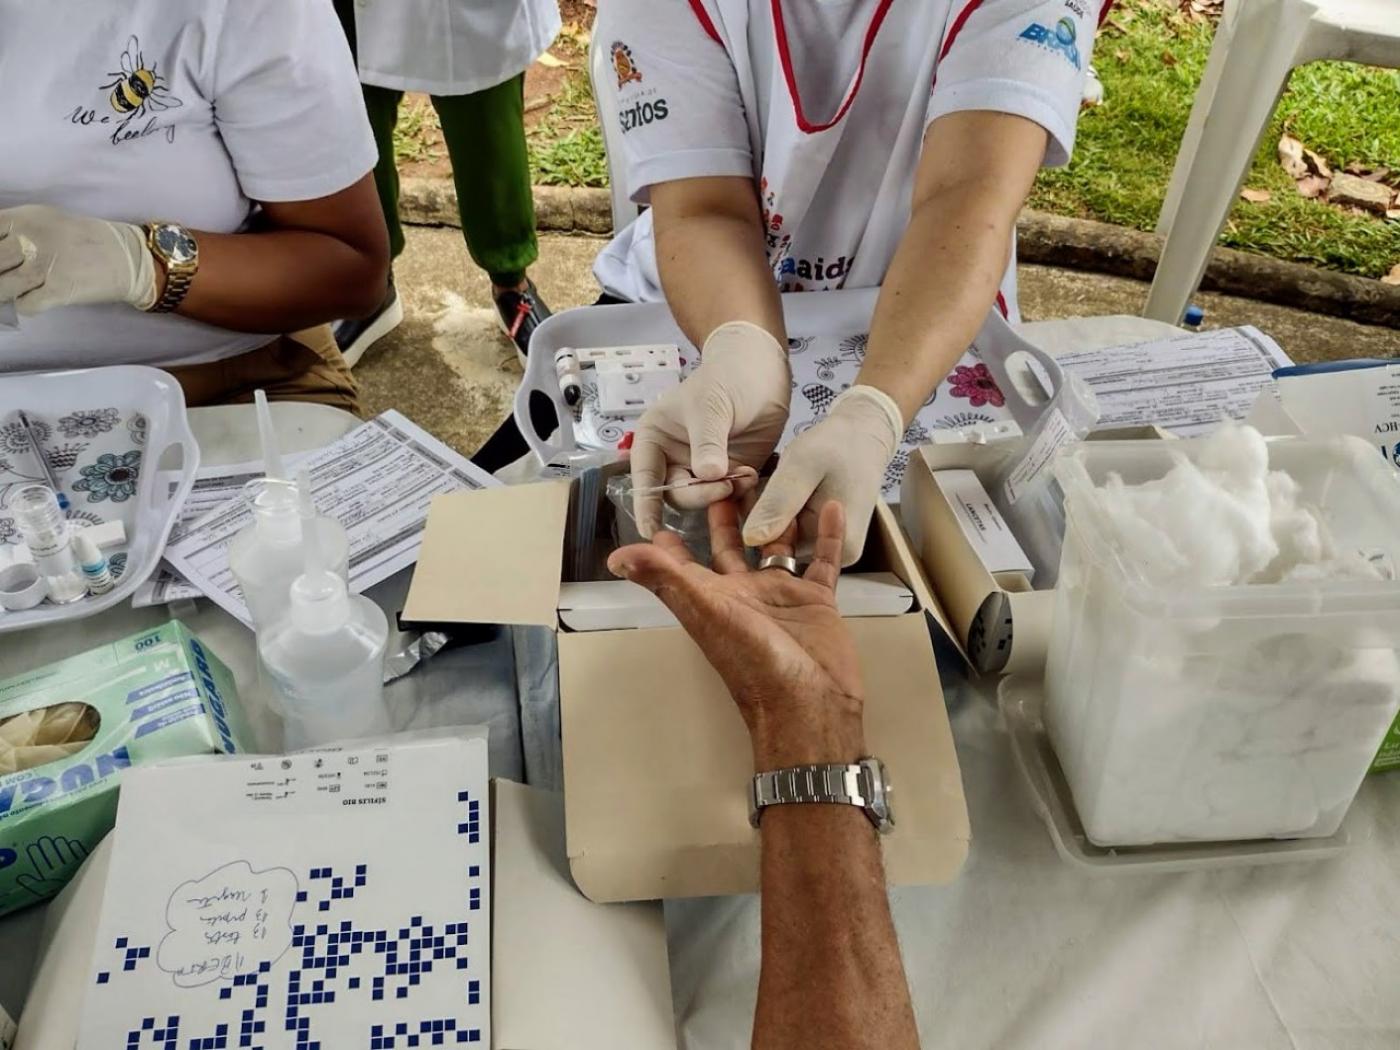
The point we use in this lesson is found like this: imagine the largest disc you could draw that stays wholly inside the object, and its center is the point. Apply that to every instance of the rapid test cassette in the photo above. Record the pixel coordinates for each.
(630, 378)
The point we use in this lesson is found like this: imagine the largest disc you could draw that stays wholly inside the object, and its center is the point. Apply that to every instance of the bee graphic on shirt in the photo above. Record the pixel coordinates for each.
(138, 89)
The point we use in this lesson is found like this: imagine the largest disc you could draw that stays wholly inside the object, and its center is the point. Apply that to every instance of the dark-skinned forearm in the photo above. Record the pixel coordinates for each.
(832, 975)
(280, 280)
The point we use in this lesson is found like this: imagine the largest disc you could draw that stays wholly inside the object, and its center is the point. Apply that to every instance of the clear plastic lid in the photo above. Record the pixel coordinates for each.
(276, 510)
(39, 517)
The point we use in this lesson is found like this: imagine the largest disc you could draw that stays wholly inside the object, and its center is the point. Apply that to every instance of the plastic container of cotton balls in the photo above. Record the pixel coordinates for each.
(1225, 654)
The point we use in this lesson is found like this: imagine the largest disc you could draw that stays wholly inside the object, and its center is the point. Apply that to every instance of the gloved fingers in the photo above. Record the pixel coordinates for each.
(697, 496)
(825, 568)
(709, 418)
(648, 473)
(692, 496)
(44, 295)
(23, 279)
(744, 481)
(860, 506)
(783, 499)
(11, 251)
(726, 545)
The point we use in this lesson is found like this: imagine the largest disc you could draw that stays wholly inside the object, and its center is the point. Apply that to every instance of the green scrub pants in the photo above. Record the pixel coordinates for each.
(485, 136)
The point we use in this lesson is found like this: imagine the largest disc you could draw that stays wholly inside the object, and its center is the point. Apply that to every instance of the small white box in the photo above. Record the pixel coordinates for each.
(986, 530)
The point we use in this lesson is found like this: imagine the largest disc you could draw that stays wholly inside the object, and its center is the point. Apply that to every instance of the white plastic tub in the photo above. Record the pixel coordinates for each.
(127, 415)
(1216, 713)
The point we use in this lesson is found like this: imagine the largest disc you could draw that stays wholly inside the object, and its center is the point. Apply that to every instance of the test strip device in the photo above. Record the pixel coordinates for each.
(630, 378)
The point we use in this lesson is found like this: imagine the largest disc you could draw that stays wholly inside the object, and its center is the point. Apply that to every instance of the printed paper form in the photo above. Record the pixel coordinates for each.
(377, 481)
(213, 487)
(333, 897)
(1187, 383)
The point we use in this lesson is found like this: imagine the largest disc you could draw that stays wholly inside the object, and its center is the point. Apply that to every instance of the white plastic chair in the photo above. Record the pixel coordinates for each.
(1258, 45)
(599, 69)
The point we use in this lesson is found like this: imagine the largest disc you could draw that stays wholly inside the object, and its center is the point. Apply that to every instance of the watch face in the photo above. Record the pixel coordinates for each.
(880, 789)
(175, 244)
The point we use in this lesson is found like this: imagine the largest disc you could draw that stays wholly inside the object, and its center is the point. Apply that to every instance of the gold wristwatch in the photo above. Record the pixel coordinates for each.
(176, 247)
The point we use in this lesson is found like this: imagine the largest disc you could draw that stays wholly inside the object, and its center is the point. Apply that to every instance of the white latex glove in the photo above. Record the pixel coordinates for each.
(726, 418)
(841, 458)
(51, 258)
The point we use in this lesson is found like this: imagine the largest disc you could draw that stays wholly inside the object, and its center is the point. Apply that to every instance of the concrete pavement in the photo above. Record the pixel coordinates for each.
(450, 369)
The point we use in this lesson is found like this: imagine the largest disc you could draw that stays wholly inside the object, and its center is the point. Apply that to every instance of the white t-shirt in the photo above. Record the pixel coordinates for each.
(824, 103)
(179, 110)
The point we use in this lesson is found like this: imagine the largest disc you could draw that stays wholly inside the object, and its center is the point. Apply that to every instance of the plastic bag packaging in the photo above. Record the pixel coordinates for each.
(1024, 490)
(413, 650)
(33, 738)
(9, 316)
(692, 526)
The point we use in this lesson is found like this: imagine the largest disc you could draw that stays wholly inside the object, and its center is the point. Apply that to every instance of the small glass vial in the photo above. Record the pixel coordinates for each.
(46, 533)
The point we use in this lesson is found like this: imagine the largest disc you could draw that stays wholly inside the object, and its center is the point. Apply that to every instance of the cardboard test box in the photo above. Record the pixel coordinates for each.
(994, 611)
(657, 761)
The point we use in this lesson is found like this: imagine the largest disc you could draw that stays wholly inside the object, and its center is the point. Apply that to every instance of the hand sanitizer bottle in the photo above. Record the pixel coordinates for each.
(325, 656)
(268, 554)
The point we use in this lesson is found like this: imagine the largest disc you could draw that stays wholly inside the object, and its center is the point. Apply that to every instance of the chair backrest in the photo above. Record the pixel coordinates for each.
(599, 69)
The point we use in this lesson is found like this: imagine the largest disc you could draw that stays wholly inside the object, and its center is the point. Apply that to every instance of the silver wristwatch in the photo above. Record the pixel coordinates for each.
(865, 785)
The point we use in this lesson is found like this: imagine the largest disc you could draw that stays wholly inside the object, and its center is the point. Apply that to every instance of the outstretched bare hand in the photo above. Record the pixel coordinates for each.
(777, 640)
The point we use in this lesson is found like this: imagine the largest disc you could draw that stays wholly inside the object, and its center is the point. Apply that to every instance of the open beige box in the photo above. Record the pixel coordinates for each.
(657, 761)
(998, 621)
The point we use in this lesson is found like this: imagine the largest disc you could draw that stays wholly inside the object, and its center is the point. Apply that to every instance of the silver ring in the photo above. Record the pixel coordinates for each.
(786, 562)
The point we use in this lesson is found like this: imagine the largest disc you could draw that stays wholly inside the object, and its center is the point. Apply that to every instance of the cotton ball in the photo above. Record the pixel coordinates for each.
(1131, 515)
(1238, 452)
(1297, 531)
(28, 248)
(1350, 566)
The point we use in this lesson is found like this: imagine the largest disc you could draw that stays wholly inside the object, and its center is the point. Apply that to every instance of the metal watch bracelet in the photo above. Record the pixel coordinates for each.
(864, 785)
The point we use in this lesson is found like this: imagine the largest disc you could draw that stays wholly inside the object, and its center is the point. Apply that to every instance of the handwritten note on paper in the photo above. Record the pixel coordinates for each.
(227, 923)
(328, 899)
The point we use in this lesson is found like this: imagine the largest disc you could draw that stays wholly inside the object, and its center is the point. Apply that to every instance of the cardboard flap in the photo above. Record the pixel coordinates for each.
(492, 556)
(904, 562)
(657, 763)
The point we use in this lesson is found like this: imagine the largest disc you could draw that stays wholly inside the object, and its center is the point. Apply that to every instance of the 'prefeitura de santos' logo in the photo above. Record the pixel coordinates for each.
(1060, 39)
(647, 106)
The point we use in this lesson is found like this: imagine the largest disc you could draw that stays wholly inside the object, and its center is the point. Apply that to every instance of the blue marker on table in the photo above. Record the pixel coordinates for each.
(43, 462)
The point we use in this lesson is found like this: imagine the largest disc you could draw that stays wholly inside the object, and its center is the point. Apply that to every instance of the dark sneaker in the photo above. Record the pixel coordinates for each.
(357, 336)
(521, 313)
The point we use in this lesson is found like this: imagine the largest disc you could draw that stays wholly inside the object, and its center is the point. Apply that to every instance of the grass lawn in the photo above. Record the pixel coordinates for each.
(566, 144)
(1150, 59)
(1125, 149)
